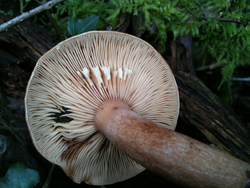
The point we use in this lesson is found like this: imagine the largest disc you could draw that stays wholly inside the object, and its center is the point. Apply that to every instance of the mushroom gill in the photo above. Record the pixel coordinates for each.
(69, 84)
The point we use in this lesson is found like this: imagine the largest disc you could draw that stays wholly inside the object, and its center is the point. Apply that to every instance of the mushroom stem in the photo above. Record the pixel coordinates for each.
(175, 156)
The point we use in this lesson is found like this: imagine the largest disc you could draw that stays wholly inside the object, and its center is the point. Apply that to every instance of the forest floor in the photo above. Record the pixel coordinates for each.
(14, 78)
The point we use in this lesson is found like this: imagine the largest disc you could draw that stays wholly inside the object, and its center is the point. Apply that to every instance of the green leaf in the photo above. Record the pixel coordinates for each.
(19, 176)
(76, 27)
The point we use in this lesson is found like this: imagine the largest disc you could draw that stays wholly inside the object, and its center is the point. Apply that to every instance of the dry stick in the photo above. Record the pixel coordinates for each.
(177, 157)
(241, 79)
(29, 14)
(211, 67)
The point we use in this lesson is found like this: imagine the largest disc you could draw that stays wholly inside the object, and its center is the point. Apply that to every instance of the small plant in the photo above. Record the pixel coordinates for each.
(19, 176)
(79, 9)
(9, 13)
(23, 4)
(76, 27)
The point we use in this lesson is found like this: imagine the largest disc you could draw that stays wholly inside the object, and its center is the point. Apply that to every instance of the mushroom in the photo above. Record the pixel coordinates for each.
(103, 105)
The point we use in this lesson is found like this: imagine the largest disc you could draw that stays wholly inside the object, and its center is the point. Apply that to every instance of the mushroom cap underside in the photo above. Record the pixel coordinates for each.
(73, 79)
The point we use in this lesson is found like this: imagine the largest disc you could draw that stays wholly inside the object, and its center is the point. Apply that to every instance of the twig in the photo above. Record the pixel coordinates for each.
(224, 19)
(241, 79)
(210, 67)
(29, 14)
(48, 180)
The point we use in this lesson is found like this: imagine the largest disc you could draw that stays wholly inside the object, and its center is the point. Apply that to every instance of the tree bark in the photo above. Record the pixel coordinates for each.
(180, 55)
(24, 43)
(215, 123)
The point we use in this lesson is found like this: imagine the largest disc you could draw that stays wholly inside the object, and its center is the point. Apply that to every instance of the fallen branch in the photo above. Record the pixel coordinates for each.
(211, 67)
(29, 14)
(204, 114)
(241, 79)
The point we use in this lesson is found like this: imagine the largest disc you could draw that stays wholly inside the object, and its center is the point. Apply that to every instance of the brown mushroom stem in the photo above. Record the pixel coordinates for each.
(175, 156)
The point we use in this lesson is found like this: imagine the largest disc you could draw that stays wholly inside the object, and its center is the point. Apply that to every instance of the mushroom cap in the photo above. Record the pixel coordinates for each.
(73, 79)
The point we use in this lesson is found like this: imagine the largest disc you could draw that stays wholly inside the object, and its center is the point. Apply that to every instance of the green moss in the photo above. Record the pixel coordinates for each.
(166, 16)
(214, 41)
(80, 9)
